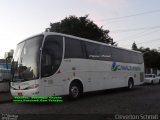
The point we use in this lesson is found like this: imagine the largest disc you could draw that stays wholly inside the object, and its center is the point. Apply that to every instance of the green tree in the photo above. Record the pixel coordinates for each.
(134, 46)
(82, 27)
(151, 57)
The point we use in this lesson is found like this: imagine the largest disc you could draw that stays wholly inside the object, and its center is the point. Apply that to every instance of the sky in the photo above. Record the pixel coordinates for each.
(127, 20)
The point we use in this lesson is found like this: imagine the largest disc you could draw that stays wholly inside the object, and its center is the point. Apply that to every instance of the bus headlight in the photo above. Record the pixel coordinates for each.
(12, 88)
(33, 86)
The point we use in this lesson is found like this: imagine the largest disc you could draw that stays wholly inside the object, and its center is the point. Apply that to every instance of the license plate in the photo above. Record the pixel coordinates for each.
(20, 94)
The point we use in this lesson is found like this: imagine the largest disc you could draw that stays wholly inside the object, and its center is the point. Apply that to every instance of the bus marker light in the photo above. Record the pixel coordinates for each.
(73, 68)
(74, 74)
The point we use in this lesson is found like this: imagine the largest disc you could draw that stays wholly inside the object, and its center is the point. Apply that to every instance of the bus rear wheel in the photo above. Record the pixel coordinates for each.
(130, 84)
(74, 91)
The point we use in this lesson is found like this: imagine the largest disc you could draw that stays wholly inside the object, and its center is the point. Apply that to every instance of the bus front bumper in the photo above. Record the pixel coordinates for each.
(29, 93)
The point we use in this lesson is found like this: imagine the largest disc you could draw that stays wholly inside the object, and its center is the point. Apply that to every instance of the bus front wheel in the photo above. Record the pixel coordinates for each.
(74, 90)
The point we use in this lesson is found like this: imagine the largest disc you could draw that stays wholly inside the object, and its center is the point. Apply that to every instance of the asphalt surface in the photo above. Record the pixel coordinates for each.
(5, 97)
(141, 100)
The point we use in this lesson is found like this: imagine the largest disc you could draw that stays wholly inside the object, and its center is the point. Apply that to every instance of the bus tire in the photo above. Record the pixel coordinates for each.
(75, 90)
(130, 84)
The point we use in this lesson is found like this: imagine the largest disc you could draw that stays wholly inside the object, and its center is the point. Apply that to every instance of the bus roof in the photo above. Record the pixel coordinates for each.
(84, 39)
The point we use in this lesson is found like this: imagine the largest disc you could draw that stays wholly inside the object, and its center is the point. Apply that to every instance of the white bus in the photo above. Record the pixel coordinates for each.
(51, 64)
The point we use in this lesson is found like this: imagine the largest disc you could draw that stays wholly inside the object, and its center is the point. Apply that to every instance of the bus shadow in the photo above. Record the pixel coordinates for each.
(149, 84)
(109, 92)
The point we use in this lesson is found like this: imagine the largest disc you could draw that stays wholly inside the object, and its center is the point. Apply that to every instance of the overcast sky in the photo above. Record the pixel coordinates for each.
(127, 20)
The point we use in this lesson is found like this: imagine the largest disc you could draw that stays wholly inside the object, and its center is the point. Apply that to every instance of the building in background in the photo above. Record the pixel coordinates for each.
(152, 71)
(7, 54)
(5, 71)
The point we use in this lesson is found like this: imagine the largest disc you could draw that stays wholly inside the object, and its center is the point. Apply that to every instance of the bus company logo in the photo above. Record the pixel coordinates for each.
(116, 67)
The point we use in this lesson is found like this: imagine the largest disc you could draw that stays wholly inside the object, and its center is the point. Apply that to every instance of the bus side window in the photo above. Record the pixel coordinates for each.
(51, 55)
(74, 48)
(98, 52)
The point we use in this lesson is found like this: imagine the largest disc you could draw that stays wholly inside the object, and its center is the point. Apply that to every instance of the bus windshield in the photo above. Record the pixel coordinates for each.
(26, 59)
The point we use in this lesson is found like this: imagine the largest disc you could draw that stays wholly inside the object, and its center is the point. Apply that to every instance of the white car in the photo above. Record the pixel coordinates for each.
(151, 78)
(158, 76)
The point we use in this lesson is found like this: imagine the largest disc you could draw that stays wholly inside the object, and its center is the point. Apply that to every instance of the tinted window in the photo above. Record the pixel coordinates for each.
(140, 58)
(51, 55)
(98, 52)
(120, 55)
(74, 48)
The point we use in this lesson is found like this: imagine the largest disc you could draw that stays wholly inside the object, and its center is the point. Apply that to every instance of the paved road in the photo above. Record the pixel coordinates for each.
(141, 100)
